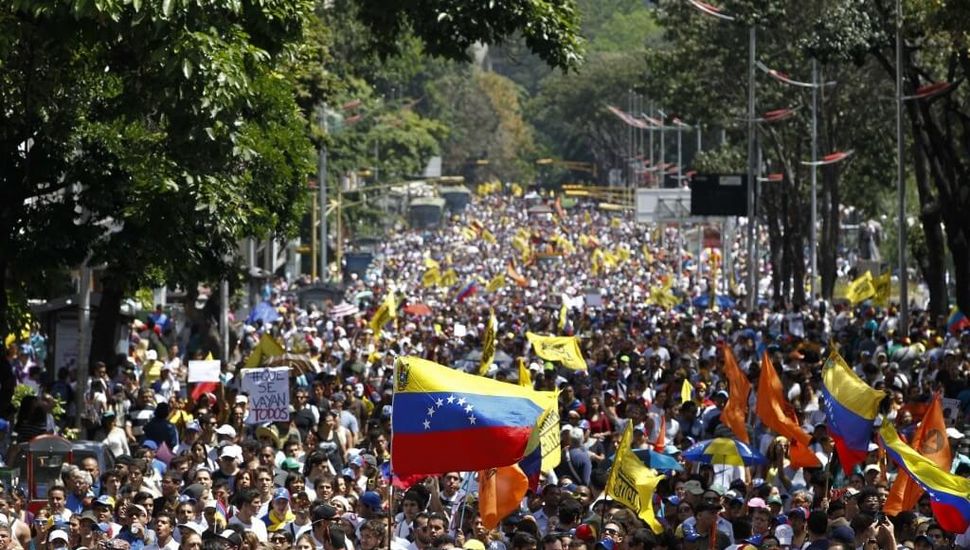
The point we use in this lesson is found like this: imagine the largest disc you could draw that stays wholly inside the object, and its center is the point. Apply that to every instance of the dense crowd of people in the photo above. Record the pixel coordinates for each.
(191, 473)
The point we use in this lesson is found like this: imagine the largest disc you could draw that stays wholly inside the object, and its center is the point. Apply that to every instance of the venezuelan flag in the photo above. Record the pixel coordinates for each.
(468, 290)
(850, 408)
(948, 493)
(443, 420)
(957, 321)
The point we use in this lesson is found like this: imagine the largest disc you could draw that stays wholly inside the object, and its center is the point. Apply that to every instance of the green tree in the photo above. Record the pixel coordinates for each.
(483, 113)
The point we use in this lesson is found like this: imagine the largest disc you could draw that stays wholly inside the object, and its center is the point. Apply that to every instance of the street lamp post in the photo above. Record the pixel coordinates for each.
(903, 327)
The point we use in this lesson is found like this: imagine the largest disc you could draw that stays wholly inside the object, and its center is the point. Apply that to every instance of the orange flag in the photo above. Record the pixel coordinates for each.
(779, 415)
(735, 413)
(661, 443)
(515, 275)
(500, 492)
(931, 441)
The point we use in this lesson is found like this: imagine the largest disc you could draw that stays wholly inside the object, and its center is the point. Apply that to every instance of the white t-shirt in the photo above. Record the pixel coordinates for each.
(257, 526)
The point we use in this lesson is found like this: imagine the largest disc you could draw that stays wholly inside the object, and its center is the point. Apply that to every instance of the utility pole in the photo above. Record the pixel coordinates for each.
(752, 178)
(322, 186)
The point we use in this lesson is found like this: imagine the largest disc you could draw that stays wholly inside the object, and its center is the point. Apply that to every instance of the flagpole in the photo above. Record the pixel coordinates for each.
(390, 513)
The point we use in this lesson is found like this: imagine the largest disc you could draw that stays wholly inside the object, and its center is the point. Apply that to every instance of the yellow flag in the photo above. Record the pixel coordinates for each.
(266, 348)
(488, 237)
(468, 233)
(647, 256)
(615, 223)
(686, 392)
(521, 244)
(437, 330)
(882, 285)
(633, 484)
(496, 283)
(860, 289)
(386, 312)
(448, 278)
(525, 379)
(564, 349)
(431, 277)
(431, 264)
(550, 438)
(488, 344)
(563, 315)
(587, 218)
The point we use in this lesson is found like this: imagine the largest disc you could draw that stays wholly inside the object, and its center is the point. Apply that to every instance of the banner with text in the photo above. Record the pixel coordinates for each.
(269, 394)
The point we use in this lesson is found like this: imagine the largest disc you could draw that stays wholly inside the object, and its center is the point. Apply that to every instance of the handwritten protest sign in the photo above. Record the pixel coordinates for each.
(204, 371)
(269, 394)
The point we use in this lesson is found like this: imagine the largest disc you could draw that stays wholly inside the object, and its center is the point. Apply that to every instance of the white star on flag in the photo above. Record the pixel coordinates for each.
(471, 419)
(461, 401)
(468, 408)
(430, 411)
(439, 402)
(427, 424)
(451, 399)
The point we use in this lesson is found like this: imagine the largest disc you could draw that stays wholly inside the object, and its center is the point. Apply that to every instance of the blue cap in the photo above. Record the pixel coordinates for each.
(281, 494)
(4, 425)
(691, 534)
(103, 527)
(754, 539)
(193, 426)
(347, 472)
(149, 444)
(371, 500)
(186, 498)
(606, 544)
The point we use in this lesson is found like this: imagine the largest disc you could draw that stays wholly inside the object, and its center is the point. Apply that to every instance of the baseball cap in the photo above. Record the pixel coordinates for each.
(105, 500)
(193, 426)
(586, 532)
(290, 463)
(694, 487)
(194, 491)
(757, 503)
(232, 451)
(149, 444)
(371, 500)
(232, 536)
(775, 499)
(281, 493)
(226, 430)
(872, 468)
(324, 512)
(474, 544)
(103, 527)
(57, 534)
(954, 433)
(193, 526)
(843, 534)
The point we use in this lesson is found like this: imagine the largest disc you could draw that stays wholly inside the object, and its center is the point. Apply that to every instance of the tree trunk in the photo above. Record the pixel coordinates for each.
(829, 239)
(786, 242)
(932, 258)
(104, 333)
(7, 379)
(774, 242)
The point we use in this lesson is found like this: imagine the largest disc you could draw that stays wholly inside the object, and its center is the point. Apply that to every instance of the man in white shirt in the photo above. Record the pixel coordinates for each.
(248, 503)
(164, 532)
